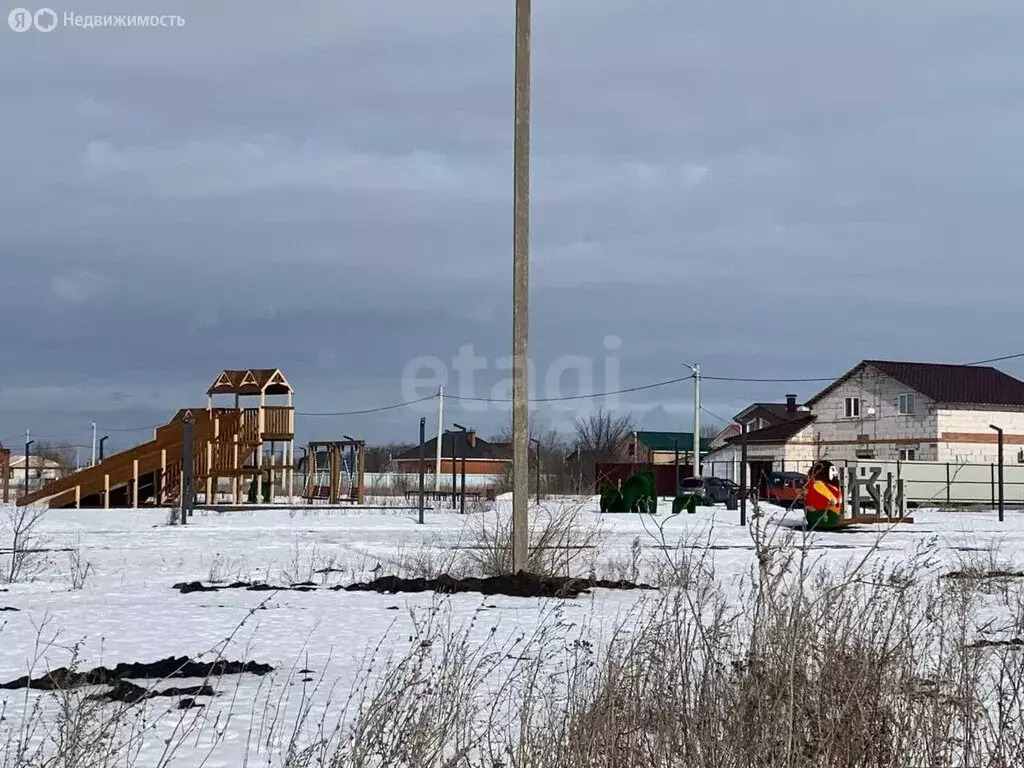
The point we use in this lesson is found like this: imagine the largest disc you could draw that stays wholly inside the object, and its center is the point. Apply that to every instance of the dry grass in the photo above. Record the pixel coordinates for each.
(872, 664)
(564, 541)
(23, 555)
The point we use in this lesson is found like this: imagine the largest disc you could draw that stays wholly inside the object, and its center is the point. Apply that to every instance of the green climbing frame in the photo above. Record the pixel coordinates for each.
(637, 494)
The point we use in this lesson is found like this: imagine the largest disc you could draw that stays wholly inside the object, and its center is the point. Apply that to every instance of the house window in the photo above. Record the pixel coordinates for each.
(907, 404)
(853, 407)
(908, 454)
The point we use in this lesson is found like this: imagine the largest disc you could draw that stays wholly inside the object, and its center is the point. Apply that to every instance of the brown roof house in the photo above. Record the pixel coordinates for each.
(482, 457)
(894, 411)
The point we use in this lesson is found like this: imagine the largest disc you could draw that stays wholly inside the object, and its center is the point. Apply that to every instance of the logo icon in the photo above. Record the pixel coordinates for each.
(45, 19)
(20, 20)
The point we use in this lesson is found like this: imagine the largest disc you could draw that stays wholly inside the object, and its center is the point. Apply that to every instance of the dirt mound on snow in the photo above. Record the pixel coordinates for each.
(518, 585)
(187, 587)
(118, 678)
(515, 585)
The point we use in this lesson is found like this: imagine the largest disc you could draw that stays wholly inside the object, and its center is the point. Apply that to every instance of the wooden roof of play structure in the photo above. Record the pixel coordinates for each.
(254, 381)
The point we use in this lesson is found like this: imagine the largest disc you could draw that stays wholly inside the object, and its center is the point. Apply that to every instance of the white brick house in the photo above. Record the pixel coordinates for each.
(886, 410)
(890, 411)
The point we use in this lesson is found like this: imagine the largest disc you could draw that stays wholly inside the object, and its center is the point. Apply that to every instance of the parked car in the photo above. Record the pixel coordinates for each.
(721, 490)
(707, 490)
(785, 488)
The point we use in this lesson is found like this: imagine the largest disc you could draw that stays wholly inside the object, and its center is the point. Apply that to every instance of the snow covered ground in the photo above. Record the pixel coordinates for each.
(127, 611)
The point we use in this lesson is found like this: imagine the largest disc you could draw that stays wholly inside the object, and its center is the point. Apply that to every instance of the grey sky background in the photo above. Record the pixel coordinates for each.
(775, 189)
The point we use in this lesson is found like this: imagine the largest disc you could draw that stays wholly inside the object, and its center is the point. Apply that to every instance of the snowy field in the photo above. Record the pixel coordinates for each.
(323, 643)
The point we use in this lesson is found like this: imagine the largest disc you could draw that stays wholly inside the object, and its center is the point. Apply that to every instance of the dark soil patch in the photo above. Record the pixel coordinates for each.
(8, 608)
(187, 587)
(517, 585)
(130, 693)
(63, 678)
(984, 575)
(1015, 642)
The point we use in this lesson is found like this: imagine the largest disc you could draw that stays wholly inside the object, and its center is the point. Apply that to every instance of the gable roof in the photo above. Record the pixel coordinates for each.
(251, 381)
(778, 411)
(727, 432)
(779, 433)
(666, 441)
(482, 450)
(952, 384)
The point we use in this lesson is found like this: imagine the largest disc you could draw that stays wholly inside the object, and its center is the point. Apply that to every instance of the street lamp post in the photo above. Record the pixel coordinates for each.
(423, 437)
(999, 437)
(28, 451)
(537, 442)
(520, 288)
(463, 430)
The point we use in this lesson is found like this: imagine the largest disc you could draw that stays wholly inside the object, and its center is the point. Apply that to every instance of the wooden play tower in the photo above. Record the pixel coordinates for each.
(229, 449)
(5, 474)
(261, 424)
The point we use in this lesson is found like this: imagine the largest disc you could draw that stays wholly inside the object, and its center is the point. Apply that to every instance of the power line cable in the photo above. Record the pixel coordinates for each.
(575, 397)
(381, 409)
(997, 359)
(766, 381)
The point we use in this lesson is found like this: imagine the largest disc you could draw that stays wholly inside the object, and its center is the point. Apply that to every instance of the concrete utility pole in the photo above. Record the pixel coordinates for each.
(440, 433)
(520, 290)
(93, 445)
(695, 367)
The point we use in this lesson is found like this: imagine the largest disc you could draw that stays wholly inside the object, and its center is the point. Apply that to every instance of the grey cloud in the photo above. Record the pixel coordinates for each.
(775, 189)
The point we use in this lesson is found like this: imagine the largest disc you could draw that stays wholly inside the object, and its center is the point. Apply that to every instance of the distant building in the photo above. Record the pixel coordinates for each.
(39, 468)
(660, 447)
(886, 410)
(482, 457)
(917, 412)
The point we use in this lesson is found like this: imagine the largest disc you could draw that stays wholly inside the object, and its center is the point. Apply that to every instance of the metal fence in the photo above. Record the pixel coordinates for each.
(924, 482)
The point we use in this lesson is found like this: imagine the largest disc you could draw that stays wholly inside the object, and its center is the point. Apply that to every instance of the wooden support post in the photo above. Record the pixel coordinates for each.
(271, 474)
(360, 474)
(259, 463)
(209, 472)
(162, 496)
(78, 497)
(334, 464)
(106, 491)
(236, 480)
(135, 483)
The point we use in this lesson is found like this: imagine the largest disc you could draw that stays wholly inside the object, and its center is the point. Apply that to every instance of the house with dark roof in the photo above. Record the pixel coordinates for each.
(772, 444)
(884, 409)
(482, 456)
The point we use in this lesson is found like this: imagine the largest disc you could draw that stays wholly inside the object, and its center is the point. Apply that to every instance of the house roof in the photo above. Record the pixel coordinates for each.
(252, 381)
(34, 462)
(778, 433)
(952, 384)
(727, 432)
(666, 441)
(482, 451)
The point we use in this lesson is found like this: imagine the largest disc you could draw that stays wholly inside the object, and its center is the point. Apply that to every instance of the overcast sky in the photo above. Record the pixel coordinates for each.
(773, 188)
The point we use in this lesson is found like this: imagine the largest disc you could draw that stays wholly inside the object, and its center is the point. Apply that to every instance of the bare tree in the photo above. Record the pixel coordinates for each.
(710, 430)
(602, 435)
(26, 547)
(63, 455)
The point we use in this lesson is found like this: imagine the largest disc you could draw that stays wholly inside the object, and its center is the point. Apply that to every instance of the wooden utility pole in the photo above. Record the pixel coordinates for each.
(520, 290)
